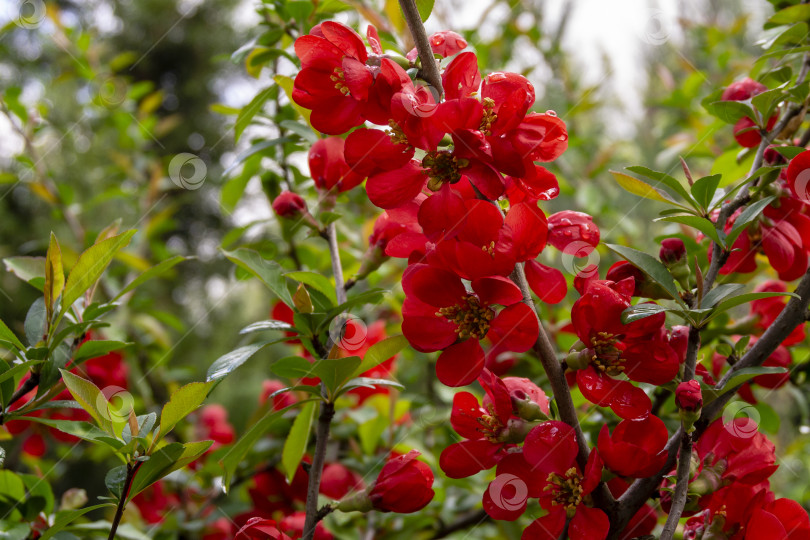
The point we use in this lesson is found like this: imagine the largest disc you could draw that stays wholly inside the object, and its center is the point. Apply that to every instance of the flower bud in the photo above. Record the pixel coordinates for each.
(689, 400)
(403, 486)
(289, 205)
(672, 251)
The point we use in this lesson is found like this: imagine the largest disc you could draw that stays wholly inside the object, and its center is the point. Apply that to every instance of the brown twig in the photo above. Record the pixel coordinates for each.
(429, 71)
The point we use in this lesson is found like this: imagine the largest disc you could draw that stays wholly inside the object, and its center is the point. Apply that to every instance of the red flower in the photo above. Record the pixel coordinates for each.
(546, 282)
(688, 396)
(403, 486)
(636, 447)
(782, 519)
(461, 78)
(746, 131)
(154, 503)
(439, 313)
(551, 449)
(280, 401)
(515, 482)
(293, 525)
(258, 528)
(572, 232)
(445, 43)
(672, 250)
(328, 167)
(742, 90)
(484, 426)
(743, 454)
(798, 176)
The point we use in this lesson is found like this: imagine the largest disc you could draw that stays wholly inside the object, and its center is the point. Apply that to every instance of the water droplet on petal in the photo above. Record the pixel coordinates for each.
(551, 113)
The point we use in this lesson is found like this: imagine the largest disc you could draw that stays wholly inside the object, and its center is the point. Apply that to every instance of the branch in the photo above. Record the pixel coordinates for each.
(468, 520)
(559, 387)
(132, 470)
(681, 488)
(327, 408)
(429, 71)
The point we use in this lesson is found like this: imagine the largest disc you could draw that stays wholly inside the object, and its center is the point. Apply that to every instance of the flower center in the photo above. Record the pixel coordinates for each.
(472, 318)
(397, 135)
(489, 117)
(607, 357)
(489, 249)
(442, 167)
(491, 427)
(339, 78)
(566, 490)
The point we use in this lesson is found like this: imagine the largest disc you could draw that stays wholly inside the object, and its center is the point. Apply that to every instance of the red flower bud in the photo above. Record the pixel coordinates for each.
(688, 396)
(258, 528)
(403, 486)
(672, 250)
(289, 205)
(742, 90)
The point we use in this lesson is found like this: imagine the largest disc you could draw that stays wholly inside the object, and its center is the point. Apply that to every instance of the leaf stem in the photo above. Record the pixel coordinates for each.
(132, 470)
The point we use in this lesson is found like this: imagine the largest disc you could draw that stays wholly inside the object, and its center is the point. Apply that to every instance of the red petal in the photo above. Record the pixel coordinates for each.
(548, 527)
(515, 328)
(373, 39)
(460, 364)
(764, 525)
(443, 215)
(551, 447)
(461, 77)
(345, 39)
(798, 176)
(529, 230)
(497, 290)
(505, 498)
(395, 188)
(488, 181)
(465, 415)
(369, 151)
(433, 286)
(629, 402)
(547, 283)
(337, 115)
(589, 524)
(466, 458)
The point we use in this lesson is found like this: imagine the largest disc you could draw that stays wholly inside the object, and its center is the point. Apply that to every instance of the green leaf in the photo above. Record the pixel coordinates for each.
(91, 265)
(36, 322)
(87, 395)
(96, 348)
(704, 188)
(719, 293)
(746, 374)
(298, 128)
(8, 385)
(729, 303)
(55, 361)
(115, 480)
(768, 418)
(182, 402)
(650, 266)
(730, 112)
(641, 188)
(54, 275)
(309, 389)
(270, 324)
(792, 14)
(766, 102)
(65, 518)
(702, 224)
(316, 281)
(380, 352)
(249, 111)
(297, 438)
(640, 311)
(666, 180)
(36, 487)
(83, 430)
(292, 367)
(159, 464)
(425, 7)
(368, 382)
(157, 270)
(27, 269)
(789, 152)
(9, 338)
(269, 272)
(228, 362)
(747, 216)
(333, 372)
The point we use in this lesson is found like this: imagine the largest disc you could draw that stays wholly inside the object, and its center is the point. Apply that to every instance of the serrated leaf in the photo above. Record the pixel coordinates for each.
(719, 293)
(91, 265)
(650, 266)
(747, 216)
(380, 352)
(155, 271)
(269, 272)
(317, 281)
(228, 362)
(297, 438)
(702, 224)
(182, 402)
(333, 372)
(270, 324)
